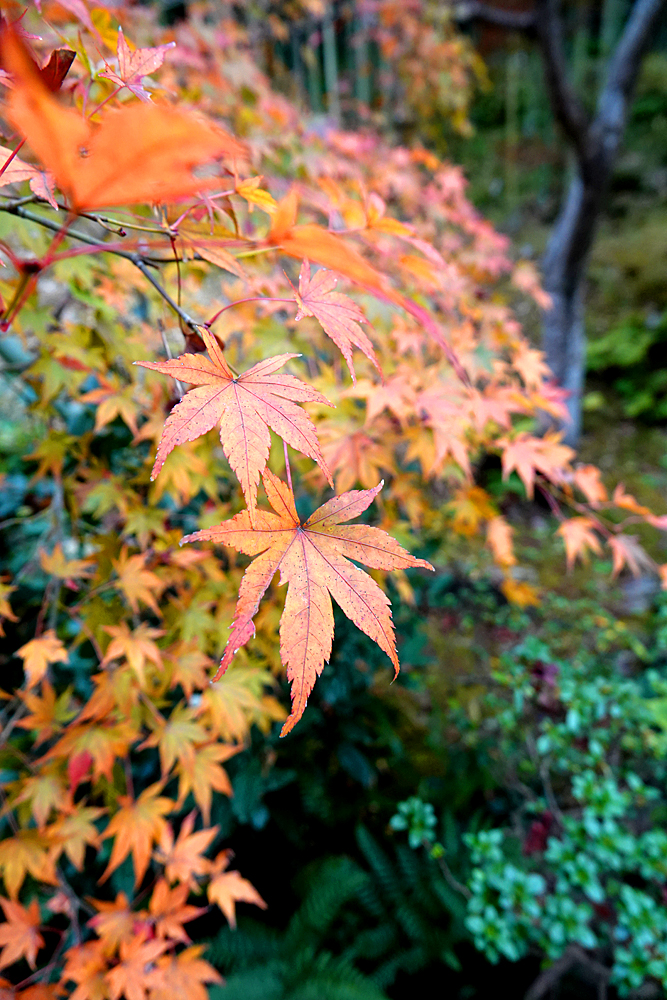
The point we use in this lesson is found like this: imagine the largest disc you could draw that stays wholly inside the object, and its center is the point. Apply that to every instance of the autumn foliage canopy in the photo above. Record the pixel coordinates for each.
(325, 323)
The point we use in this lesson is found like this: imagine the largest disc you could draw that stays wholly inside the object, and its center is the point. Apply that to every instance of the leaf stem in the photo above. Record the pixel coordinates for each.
(287, 467)
(238, 302)
(11, 157)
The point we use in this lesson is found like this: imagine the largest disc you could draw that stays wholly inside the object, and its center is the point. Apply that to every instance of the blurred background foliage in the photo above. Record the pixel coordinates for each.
(462, 737)
(355, 910)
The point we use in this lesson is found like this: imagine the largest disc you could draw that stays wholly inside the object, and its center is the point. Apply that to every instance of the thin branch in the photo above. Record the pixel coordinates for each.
(566, 106)
(451, 878)
(621, 76)
(513, 20)
(135, 258)
(638, 32)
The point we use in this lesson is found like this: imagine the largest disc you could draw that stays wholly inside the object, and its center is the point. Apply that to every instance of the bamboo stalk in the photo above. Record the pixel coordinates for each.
(512, 81)
(331, 66)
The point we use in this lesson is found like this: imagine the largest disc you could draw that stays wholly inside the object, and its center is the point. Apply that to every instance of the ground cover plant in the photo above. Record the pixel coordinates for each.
(162, 209)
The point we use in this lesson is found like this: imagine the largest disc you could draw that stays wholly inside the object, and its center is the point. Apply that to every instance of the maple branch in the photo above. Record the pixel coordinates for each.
(134, 258)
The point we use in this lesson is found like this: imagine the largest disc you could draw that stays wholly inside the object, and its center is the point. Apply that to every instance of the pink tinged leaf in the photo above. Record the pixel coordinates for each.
(337, 314)
(133, 66)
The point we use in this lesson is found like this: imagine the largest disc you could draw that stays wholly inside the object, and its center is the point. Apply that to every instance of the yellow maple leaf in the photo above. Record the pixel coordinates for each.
(39, 653)
(136, 582)
(227, 889)
(204, 774)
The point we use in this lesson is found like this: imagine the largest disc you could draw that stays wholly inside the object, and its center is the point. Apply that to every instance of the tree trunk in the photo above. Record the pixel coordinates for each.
(564, 342)
(595, 143)
(564, 269)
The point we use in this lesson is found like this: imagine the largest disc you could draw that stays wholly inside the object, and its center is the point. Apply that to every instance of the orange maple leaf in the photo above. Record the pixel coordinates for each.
(579, 536)
(169, 911)
(20, 936)
(588, 479)
(47, 714)
(86, 966)
(27, 852)
(338, 315)
(229, 888)
(136, 826)
(72, 834)
(245, 406)
(183, 859)
(114, 922)
(136, 646)
(38, 653)
(57, 564)
(182, 976)
(313, 559)
(528, 454)
(499, 538)
(204, 774)
(139, 153)
(130, 978)
(314, 243)
(520, 593)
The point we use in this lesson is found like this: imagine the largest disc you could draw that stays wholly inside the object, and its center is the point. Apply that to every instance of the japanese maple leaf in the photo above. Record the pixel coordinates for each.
(245, 406)
(314, 560)
(627, 550)
(57, 564)
(114, 922)
(136, 826)
(229, 888)
(19, 936)
(130, 977)
(169, 910)
(588, 479)
(137, 646)
(579, 536)
(204, 774)
(26, 853)
(499, 538)
(182, 976)
(38, 653)
(133, 66)
(528, 454)
(139, 153)
(184, 858)
(136, 582)
(339, 316)
(17, 171)
(74, 833)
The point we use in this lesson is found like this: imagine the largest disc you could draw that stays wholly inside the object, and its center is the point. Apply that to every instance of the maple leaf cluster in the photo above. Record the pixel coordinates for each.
(172, 238)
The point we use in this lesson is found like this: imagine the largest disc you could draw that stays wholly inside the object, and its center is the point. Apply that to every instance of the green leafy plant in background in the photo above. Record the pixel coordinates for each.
(359, 926)
(631, 356)
(577, 870)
